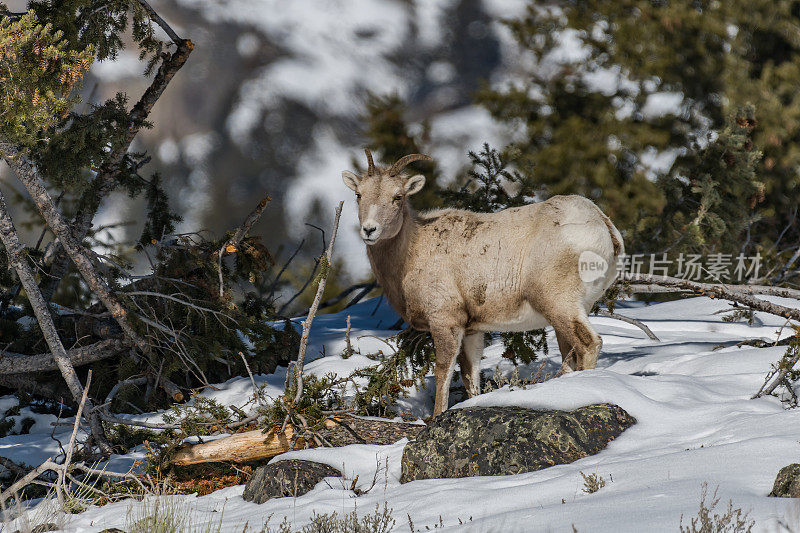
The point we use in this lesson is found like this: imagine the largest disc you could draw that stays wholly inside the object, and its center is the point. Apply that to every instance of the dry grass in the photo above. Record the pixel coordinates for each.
(707, 521)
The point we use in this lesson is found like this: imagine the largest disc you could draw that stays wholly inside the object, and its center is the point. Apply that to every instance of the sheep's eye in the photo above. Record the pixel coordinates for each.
(397, 198)
(358, 196)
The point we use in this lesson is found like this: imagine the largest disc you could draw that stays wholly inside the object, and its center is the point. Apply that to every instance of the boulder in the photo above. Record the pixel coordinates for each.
(787, 483)
(493, 441)
(291, 477)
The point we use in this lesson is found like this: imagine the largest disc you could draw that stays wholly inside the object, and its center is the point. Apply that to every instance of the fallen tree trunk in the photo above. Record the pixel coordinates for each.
(254, 446)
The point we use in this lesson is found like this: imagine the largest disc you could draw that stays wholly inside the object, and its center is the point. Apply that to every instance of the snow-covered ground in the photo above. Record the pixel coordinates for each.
(690, 394)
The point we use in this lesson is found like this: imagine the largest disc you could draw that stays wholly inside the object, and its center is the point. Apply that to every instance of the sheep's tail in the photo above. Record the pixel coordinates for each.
(616, 237)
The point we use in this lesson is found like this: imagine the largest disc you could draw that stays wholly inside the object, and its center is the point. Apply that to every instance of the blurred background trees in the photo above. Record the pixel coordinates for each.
(680, 119)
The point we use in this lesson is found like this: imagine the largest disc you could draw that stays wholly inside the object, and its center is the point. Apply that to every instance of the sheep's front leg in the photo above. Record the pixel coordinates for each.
(469, 360)
(447, 342)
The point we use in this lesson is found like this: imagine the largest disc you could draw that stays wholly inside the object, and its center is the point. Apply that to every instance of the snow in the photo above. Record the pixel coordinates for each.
(662, 103)
(125, 65)
(690, 393)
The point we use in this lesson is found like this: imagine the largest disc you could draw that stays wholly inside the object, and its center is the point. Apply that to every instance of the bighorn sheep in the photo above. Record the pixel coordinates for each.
(459, 274)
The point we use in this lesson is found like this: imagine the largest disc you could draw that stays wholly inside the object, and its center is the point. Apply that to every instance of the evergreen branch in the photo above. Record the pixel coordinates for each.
(107, 178)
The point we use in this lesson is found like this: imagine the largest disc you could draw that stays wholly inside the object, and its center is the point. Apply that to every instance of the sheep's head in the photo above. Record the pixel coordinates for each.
(381, 195)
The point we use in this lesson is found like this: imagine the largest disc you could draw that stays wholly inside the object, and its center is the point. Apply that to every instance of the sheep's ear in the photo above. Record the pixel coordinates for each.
(414, 184)
(351, 180)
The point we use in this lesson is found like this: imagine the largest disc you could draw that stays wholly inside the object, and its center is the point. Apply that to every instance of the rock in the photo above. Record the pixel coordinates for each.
(112, 530)
(43, 528)
(492, 441)
(291, 477)
(787, 483)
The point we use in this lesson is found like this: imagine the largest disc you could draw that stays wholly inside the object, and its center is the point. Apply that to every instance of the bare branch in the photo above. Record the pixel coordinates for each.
(284, 267)
(645, 283)
(62, 472)
(366, 288)
(738, 293)
(28, 479)
(161, 22)
(131, 381)
(232, 244)
(629, 320)
(301, 356)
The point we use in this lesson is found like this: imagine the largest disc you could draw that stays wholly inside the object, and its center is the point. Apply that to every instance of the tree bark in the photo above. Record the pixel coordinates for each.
(17, 259)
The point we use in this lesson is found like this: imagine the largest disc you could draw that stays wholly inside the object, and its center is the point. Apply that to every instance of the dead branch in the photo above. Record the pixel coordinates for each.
(13, 363)
(29, 383)
(645, 283)
(311, 277)
(301, 355)
(161, 22)
(779, 375)
(365, 288)
(135, 423)
(232, 244)
(17, 259)
(21, 483)
(274, 283)
(172, 390)
(629, 320)
(61, 470)
(115, 389)
(742, 294)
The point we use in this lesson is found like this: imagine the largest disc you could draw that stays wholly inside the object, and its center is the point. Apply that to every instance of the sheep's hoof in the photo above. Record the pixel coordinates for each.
(565, 369)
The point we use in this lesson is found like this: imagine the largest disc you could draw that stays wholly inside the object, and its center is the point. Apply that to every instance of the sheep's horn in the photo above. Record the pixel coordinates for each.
(406, 160)
(370, 162)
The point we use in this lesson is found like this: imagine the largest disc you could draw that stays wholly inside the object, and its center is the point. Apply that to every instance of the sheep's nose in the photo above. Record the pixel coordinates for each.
(369, 230)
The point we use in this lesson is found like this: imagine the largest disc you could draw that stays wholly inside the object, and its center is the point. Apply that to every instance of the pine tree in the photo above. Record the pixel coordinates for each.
(201, 309)
(715, 56)
(389, 134)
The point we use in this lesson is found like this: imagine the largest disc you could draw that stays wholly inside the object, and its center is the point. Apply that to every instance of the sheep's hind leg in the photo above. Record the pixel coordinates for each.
(589, 340)
(469, 360)
(578, 342)
(447, 342)
(567, 353)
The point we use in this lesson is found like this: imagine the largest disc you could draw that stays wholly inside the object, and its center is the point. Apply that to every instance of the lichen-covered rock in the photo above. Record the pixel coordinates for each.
(291, 477)
(491, 441)
(787, 483)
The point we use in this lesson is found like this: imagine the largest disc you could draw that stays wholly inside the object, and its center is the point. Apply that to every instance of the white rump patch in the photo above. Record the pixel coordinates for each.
(591, 266)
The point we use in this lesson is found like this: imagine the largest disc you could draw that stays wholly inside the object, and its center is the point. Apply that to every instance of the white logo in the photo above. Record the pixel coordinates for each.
(591, 266)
